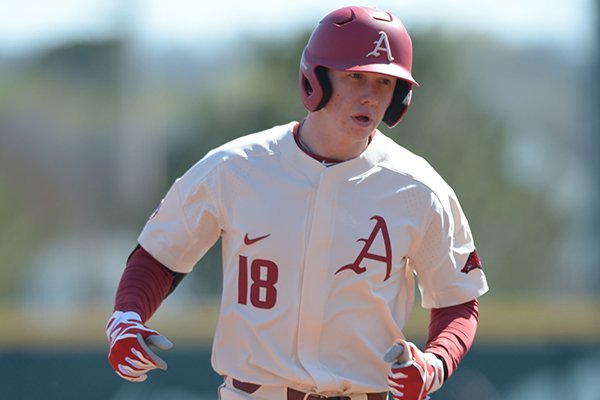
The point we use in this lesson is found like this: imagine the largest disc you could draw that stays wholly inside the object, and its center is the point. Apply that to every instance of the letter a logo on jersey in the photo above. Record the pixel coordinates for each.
(382, 44)
(380, 228)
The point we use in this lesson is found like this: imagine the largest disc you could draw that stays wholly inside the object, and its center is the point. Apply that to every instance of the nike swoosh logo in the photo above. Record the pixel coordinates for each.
(248, 241)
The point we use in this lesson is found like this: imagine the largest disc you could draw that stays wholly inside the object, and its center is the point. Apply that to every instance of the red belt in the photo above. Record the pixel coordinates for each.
(293, 394)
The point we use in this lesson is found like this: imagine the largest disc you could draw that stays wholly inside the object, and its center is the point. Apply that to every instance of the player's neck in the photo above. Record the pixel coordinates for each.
(328, 143)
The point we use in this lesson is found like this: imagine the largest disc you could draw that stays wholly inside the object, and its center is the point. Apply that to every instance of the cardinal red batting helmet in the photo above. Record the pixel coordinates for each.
(358, 39)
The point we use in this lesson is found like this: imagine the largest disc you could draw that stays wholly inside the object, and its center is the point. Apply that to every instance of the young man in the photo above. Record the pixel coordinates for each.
(323, 224)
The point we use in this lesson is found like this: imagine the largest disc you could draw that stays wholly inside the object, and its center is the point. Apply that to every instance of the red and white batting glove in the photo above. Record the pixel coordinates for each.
(415, 374)
(129, 354)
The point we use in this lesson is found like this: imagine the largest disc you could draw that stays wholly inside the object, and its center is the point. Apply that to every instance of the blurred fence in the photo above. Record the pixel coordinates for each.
(489, 372)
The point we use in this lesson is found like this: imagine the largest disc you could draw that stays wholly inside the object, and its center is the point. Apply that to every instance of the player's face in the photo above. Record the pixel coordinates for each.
(341, 129)
(359, 100)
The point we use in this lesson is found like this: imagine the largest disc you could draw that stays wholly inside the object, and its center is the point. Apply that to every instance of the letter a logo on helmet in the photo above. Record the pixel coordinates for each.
(383, 44)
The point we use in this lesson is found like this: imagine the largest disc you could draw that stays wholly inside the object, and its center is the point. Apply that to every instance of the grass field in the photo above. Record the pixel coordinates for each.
(573, 320)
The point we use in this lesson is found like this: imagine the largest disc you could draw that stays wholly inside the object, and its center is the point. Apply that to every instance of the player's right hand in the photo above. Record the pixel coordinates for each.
(129, 353)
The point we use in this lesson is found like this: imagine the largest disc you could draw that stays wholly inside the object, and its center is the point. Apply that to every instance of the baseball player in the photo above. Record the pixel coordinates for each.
(324, 224)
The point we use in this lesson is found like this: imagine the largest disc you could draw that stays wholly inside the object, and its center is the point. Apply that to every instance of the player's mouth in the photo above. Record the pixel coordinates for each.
(362, 119)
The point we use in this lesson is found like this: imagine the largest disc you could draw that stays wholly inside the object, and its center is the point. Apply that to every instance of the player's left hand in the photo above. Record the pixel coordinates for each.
(415, 375)
(130, 354)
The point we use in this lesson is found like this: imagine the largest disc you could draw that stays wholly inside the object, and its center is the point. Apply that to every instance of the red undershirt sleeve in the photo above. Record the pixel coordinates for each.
(452, 332)
(145, 283)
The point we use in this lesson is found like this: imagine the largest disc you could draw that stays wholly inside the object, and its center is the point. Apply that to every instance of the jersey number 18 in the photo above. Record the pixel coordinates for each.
(263, 276)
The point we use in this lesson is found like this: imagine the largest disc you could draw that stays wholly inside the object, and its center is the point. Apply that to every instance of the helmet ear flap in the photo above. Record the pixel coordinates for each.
(326, 87)
(316, 88)
(399, 104)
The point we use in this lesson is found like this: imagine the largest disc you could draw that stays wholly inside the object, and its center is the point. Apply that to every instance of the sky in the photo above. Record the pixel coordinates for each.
(28, 25)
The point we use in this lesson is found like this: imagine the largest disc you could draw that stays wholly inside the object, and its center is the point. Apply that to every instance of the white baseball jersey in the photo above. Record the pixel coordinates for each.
(318, 261)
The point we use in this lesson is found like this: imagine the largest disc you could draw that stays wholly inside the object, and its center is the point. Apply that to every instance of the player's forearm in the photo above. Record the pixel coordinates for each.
(145, 283)
(452, 332)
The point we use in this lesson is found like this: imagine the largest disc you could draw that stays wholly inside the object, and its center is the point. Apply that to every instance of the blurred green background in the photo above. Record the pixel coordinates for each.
(104, 103)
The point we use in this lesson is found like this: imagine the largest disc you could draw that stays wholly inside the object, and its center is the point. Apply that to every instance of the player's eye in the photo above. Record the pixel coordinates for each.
(355, 75)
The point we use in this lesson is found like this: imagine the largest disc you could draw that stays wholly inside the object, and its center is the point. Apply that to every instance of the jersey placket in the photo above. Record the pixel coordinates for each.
(315, 279)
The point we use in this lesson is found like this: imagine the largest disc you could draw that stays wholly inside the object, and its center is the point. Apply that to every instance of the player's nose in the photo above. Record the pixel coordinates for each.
(369, 95)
